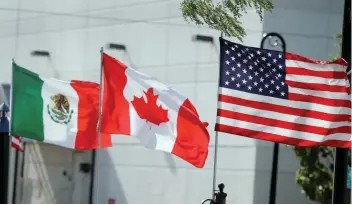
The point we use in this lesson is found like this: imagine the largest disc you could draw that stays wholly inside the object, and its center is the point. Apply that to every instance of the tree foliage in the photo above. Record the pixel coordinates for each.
(223, 15)
(315, 174)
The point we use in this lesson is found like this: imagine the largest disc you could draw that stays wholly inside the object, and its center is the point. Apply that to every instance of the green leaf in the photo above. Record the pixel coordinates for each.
(224, 15)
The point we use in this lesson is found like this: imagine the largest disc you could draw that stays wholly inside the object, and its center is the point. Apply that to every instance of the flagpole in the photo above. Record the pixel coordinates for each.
(98, 127)
(216, 147)
(215, 165)
(11, 97)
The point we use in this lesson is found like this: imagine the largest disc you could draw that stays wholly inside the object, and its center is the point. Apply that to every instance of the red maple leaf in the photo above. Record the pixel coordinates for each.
(149, 110)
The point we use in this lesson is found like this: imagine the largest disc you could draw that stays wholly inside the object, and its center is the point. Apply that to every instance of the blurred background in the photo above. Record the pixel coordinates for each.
(158, 42)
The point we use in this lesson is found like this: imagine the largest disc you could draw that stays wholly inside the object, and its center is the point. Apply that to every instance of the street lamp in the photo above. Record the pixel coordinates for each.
(4, 122)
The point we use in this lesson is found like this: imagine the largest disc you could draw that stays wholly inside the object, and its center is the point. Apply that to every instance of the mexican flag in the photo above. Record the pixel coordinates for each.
(138, 105)
(56, 112)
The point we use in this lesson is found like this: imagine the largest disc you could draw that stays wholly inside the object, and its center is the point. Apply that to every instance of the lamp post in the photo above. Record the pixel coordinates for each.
(341, 154)
(4, 150)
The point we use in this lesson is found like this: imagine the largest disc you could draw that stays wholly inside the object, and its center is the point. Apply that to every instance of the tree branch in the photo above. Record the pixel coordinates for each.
(223, 16)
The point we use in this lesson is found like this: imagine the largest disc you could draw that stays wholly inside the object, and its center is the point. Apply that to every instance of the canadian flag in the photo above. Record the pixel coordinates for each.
(17, 143)
(162, 119)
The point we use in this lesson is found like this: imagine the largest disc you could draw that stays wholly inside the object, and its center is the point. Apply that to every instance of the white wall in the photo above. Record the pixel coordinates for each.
(159, 43)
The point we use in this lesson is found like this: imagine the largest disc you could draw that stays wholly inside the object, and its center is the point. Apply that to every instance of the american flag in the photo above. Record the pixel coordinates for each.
(17, 143)
(289, 99)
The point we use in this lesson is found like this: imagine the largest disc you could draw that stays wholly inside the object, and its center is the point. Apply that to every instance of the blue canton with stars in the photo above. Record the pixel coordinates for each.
(252, 70)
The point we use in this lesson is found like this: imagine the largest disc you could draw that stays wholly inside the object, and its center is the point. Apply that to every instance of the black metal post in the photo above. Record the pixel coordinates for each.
(273, 182)
(341, 155)
(4, 171)
(4, 157)
(22, 171)
(14, 190)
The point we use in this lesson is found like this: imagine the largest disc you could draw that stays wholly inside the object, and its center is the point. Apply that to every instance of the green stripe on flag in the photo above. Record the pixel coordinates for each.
(27, 104)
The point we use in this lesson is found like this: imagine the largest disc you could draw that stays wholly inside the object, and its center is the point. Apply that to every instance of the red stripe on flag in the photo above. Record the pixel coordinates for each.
(88, 104)
(285, 109)
(279, 138)
(291, 56)
(116, 111)
(321, 74)
(17, 147)
(283, 124)
(319, 100)
(318, 86)
(16, 143)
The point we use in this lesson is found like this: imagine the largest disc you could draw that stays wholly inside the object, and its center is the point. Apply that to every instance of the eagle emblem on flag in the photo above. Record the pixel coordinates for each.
(59, 109)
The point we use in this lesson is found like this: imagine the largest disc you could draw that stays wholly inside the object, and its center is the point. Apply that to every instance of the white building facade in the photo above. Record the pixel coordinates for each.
(159, 43)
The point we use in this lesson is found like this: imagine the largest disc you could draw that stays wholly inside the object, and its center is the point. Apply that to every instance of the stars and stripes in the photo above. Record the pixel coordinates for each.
(288, 98)
(17, 143)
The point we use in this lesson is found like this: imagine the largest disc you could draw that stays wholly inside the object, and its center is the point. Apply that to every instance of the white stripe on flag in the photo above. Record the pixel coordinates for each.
(280, 116)
(323, 94)
(281, 131)
(17, 143)
(286, 103)
(16, 140)
(313, 79)
(315, 67)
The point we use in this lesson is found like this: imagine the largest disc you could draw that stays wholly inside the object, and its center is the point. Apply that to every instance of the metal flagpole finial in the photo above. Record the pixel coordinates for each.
(274, 40)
